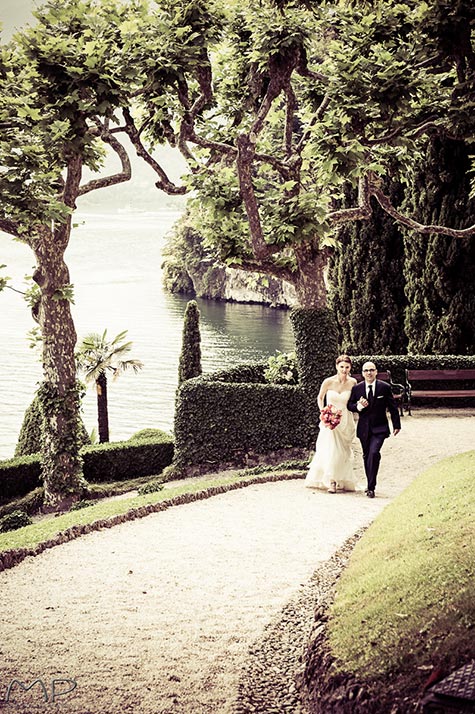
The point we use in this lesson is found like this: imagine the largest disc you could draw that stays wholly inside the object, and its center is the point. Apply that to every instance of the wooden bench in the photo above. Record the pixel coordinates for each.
(398, 390)
(438, 375)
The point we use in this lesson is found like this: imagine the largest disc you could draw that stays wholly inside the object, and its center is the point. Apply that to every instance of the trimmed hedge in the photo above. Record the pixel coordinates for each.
(397, 364)
(121, 460)
(227, 416)
(19, 476)
(316, 344)
(250, 373)
(221, 421)
(112, 461)
(233, 416)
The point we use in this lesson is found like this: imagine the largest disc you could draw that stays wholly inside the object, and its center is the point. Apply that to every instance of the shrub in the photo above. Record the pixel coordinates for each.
(19, 476)
(81, 504)
(190, 357)
(219, 421)
(112, 461)
(282, 368)
(150, 487)
(122, 460)
(29, 438)
(150, 433)
(13, 521)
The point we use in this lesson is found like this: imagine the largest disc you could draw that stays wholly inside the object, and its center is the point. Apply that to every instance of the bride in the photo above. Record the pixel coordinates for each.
(332, 465)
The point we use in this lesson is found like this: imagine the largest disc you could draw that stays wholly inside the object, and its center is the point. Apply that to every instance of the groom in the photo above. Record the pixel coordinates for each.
(370, 399)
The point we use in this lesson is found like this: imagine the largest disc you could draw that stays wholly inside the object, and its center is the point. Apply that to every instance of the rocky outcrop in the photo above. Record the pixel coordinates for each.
(209, 280)
(189, 269)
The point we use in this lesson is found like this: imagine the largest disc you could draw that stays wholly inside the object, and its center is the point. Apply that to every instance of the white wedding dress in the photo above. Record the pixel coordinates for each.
(333, 459)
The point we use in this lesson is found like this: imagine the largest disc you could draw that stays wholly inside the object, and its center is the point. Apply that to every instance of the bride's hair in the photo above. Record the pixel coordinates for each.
(343, 358)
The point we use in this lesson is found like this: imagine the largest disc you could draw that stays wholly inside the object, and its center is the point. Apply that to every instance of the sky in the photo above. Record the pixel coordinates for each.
(14, 14)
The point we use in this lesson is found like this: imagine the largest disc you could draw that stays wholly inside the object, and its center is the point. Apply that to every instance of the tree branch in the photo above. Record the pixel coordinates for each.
(289, 120)
(230, 150)
(71, 189)
(187, 133)
(360, 212)
(163, 183)
(387, 206)
(114, 179)
(318, 116)
(414, 133)
(10, 227)
(244, 168)
(281, 67)
(205, 81)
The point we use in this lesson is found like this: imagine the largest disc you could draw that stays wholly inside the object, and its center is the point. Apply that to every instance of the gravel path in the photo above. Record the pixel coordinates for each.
(171, 614)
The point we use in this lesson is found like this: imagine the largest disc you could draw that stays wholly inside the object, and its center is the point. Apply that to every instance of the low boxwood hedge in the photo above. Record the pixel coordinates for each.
(112, 461)
(121, 460)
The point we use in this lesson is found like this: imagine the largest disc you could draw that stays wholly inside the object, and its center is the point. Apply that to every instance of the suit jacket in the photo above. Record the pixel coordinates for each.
(374, 420)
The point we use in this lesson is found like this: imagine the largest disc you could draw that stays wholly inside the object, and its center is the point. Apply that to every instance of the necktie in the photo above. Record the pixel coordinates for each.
(370, 394)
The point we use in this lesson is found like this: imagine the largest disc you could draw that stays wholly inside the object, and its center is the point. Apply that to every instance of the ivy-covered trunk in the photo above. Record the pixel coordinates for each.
(58, 394)
(310, 278)
(102, 409)
(314, 324)
(316, 344)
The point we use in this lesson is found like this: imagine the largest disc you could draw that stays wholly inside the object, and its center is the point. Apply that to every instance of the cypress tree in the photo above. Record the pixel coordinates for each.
(190, 357)
(366, 280)
(440, 270)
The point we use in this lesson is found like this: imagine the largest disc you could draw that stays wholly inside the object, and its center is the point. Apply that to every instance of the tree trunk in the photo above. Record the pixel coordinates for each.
(102, 410)
(310, 283)
(59, 396)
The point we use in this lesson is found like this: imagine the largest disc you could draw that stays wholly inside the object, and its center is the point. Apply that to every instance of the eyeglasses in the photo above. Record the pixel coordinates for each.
(369, 370)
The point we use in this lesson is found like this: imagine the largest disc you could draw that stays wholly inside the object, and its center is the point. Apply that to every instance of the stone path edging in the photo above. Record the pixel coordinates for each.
(273, 680)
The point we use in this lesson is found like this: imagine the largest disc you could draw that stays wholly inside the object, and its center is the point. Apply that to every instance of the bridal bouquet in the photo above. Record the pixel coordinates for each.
(330, 416)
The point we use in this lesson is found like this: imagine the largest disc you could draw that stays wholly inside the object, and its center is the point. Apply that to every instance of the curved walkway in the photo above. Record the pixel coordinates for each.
(157, 616)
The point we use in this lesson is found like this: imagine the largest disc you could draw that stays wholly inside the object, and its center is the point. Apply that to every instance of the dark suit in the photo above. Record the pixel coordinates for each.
(373, 425)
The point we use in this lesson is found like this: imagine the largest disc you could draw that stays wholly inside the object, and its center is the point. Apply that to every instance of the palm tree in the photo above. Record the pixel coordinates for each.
(95, 357)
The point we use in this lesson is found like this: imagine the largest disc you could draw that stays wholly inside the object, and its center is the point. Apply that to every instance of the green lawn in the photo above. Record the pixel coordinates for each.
(406, 602)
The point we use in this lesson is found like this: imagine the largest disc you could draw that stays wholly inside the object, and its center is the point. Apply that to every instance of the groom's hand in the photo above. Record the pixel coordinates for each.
(361, 404)
(396, 432)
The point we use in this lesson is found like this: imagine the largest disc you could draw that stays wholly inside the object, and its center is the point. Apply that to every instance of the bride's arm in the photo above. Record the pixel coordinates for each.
(321, 393)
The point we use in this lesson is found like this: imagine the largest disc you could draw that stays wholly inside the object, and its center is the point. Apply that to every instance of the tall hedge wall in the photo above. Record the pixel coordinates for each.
(218, 421)
(316, 344)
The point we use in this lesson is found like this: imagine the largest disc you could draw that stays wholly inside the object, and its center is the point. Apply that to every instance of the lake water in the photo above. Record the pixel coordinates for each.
(114, 261)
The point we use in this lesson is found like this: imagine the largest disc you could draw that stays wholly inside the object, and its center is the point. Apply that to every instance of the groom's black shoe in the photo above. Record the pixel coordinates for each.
(369, 493)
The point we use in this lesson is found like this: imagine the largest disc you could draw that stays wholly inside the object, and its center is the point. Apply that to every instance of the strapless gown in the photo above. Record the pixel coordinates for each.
(333, 458)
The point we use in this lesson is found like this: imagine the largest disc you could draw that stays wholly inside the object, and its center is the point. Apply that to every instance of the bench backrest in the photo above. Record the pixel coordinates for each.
(439, 374)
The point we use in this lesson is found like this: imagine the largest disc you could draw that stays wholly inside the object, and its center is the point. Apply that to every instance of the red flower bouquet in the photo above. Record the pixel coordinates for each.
(330, 416)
